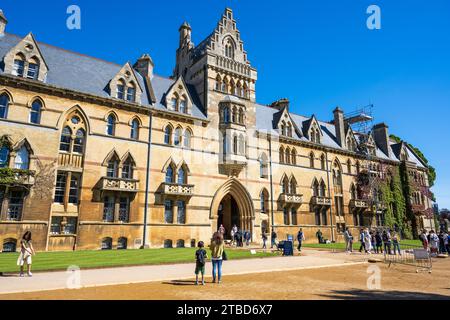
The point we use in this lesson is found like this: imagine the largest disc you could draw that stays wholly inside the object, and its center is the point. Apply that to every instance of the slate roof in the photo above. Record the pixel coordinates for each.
(81, 73)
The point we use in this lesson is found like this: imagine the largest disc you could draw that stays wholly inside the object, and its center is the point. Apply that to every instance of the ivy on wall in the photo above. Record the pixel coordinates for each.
(393, 196)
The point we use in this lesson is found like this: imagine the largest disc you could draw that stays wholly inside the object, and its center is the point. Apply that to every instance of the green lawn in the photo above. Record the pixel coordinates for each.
(341, 246)
(45, 261)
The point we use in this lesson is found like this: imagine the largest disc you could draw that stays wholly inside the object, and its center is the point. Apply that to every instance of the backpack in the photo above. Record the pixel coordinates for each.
(385, 238)
(201, 258)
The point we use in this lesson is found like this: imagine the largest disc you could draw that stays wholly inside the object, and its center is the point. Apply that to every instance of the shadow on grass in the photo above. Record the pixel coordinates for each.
(383, 295)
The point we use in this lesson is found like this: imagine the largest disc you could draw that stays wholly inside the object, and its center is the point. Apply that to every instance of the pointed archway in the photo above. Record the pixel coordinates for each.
(238, 204)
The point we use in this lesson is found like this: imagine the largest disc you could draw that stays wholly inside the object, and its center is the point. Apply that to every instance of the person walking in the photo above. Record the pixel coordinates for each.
(387, 242)
(396, 243)
(424, 239)
(434, 242)
(217, 250)
(200, 262)
(442, 248)
(273, 239)
(447, 242)
(367, 241)
(373, 241)
(248, 238)
(300, 239)
(26, 251)
(378, 242)
(264, 239)
(361, 240)
(348, 240)
(222, 230)
(319, 236)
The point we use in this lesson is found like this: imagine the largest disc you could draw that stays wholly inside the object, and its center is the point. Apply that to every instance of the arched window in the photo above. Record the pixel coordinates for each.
(234, 115)
(316, 188)
(287, 157)
(293, 187)
(170, 178)
(353, 194)
(66, 137)
(317, 136)
(229, 49)
(264, 201)
(285, 186)
(263, 166)
(235, 145)
(168, 244)
(112, 171)
(127, 169)
(35, 113)
(33, 68)
(187, 138)
(218, 83)
(168, 135)
(177, 137)
(111, 125)
(9, 245)
(225, 144)
(323, 164)
(180, 243)
(78, 143)
(322, 190)
(358, 167)
(120, 93)
(4, 103)
(106, 243)
(134, 129)
(311, 160)
(19, 65)
(131, 92)
(349, 166)
(122, 243)
(22, 160)
(283, 129)
(294, 157)
(289, 130)
(173, 104)
(4, 157)
(281, 155)
(241, 116)
(182, 176)
(183, 105)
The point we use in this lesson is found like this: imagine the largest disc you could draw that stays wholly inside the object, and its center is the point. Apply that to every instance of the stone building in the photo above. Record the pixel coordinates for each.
(96, 155)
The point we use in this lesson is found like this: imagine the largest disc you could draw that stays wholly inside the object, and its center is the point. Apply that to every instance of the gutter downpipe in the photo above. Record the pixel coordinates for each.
(329, 193)
(271, 184)
(147, 181)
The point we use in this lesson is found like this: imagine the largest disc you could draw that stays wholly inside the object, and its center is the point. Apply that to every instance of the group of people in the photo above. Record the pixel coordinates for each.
(374, 241)
(436, 243)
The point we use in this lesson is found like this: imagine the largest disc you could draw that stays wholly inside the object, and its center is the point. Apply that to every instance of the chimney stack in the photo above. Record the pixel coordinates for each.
(381, 136)
(144, 66)
(280, 104)
(3, 22)
(340, 126)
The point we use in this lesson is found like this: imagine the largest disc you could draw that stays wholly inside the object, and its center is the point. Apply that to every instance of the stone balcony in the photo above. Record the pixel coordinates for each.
(321, 201)
(17, 177)
(118, 184)
(70, 160)
(177, 190)
(358, 204)
(291, 199)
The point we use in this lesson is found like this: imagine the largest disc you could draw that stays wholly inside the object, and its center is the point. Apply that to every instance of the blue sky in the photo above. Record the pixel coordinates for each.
(317, 53)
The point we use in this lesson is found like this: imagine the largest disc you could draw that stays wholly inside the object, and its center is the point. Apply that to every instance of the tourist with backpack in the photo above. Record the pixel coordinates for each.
(378, 243)
(200, 262)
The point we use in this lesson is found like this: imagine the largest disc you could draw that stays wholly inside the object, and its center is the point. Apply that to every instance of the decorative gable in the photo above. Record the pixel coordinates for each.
(178, 98)
(26, 60)
(125, 85)
(312, 130)
(350, 140)
(283, 122)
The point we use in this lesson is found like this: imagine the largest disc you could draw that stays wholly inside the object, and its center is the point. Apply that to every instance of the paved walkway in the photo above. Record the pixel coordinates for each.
(128, 275)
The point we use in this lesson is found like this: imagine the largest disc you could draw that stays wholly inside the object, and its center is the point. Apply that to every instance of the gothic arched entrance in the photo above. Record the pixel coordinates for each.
(232, 205)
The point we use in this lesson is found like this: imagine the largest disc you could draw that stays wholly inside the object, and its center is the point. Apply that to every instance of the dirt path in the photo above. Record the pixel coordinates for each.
(346, 282)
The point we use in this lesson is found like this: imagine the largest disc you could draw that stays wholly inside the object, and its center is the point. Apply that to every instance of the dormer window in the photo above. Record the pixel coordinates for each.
(120, 90)
(19, 67)
(183, 105)
(131, 93)
(33, 69)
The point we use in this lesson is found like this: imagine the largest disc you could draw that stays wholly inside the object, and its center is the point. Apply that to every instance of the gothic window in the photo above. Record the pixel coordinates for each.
(127, 169)
(218, 83)
(234, 115)
(316, 188)
(33, 68)
(60, 188)
(19, 65)
(226, 115)
(323, 161)
(134, 134)
(35, 113)
(168, 135)
(22, 160)
(173, 104)
(111, 125)
(78, 143)
(285, 186)
(311, 160)
(4, 103)
(294, 217)
(322, 190)
(235, 145)
(294, 157)
(264, 201)
(293, 186)
(187, 138)
(124, 209)
(131, 92)
(170, 175)
(15, 206)
(289, 130)
(183, 105)
(281, 155)
(112, 171)
(241, 145)
(349, 166)
(177, 137)
(287, 156)
(182, 176)
(120, 91)
(4, 157)
(263, 166)
(66, 137)
(241, 116)
(229, 49)
(358, 167)
(353, 194)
